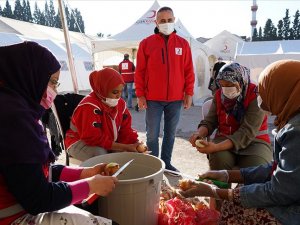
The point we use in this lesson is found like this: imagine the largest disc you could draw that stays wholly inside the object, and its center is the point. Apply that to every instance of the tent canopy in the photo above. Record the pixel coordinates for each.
(257, 55)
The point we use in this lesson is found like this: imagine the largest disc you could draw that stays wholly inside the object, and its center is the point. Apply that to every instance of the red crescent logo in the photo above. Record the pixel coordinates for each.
(153, 15)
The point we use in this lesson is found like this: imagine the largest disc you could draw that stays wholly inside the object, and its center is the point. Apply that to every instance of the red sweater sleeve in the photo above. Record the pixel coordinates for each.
(189, 72)
(139, 75)
(84, 119)
(126, 134)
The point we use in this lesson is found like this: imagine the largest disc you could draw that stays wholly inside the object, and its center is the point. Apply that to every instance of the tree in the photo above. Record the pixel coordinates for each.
(28, 15)
(58, 20)
(0, 10)
(7, 12)
(260, 36)
(79, 23)
(36, 14)
(280, 30)
(255, 35)
(269, 31)
(286, 26)
(51, 16)
(296, 26)
(18, 11)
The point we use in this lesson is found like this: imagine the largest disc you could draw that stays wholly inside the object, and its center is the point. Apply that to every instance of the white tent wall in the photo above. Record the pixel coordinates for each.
(257, 55)
(224, 45)
(53, 39)
(128, 40)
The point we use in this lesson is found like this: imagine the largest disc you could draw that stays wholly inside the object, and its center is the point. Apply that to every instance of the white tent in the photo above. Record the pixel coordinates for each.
(257, 55)
(224, 45)
(15, 31)
(128, 40)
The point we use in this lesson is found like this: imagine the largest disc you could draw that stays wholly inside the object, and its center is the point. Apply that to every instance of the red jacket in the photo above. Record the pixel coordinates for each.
(126, 69)
(228, 124)
(164, 70)
(96, 124)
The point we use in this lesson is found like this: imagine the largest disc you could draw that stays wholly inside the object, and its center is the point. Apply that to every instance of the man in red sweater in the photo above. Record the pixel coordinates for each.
(126, 69)
(164, 82)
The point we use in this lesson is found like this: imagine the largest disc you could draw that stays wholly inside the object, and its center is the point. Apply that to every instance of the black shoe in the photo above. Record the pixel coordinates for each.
(136, 107)
(172, 171)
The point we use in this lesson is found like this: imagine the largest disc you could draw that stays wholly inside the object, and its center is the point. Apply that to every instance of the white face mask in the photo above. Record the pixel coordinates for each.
(112, 102)
(230, 92)
(260, 105)
(166, 28)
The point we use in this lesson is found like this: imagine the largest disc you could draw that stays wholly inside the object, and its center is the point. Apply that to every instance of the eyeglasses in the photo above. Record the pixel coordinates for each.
(55, 83)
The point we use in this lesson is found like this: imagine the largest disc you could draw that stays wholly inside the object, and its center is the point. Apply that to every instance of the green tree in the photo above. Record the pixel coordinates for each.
(7, 12)
(286, 26)
(36, 14)
(18, 11)
(28, 15)
(260, 36)
(296, 26)
(255, 35)
(79, 23)
(51, 14)
(270, 31)
(47, 14)
(1, 11)
(58, 20)
(280, 30)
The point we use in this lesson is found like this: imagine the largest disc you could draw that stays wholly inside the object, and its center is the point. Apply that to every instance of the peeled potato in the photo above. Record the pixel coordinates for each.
(185, 184)
(111, 168)
(199, 143)
(142, 148)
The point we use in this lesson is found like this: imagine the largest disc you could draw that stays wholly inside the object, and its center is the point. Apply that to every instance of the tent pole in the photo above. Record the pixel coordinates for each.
(68, 45)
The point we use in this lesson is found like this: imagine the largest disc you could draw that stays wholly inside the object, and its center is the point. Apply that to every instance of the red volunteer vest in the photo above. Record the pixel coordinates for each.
(126, 69)
(228, 124)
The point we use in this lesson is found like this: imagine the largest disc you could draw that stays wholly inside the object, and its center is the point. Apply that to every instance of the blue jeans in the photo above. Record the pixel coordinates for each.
(128, 88)
(154, 112)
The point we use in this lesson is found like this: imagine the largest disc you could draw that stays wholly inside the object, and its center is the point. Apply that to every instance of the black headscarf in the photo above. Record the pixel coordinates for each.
(25, 70)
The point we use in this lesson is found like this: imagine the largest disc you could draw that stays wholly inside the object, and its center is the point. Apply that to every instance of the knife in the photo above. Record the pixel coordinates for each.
(218, 183)
(89, 200)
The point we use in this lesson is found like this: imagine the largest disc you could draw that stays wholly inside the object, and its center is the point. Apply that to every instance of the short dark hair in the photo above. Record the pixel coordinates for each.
(164, 8)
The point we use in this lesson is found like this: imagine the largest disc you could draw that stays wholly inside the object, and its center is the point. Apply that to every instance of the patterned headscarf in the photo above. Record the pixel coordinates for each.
(25, 70)
(235, 73)
(279, 88)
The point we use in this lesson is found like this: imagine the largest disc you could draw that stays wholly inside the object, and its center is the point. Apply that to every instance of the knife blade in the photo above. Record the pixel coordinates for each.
(89, 200)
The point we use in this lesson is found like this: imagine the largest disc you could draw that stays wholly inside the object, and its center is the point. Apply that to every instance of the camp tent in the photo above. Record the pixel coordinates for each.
(224, 45)
(15, 31)
(257, 55)
(128, 40)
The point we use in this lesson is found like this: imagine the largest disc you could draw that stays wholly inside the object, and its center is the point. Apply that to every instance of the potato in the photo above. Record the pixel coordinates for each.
(111, 168)
(185, 184)
(199, 143)
(142, 148)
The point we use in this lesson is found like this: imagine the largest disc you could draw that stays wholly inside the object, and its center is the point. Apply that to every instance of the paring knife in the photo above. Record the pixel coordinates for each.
(88, 201)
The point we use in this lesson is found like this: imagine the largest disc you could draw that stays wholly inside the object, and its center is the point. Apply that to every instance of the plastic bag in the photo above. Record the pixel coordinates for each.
(179, 212)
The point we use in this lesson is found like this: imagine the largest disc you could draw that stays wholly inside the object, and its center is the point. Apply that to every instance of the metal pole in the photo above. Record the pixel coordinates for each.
(68, 46)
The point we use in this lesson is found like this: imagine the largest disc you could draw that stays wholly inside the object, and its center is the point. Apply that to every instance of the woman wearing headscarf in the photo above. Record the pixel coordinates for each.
(31, 190)
(242, 130)
(101, 123)
(270, 194)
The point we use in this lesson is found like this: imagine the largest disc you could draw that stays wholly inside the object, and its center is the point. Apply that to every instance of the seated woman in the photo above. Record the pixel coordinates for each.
(101, 123)
(242, 130)
(271, 191)
(31, 190)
